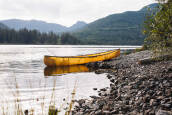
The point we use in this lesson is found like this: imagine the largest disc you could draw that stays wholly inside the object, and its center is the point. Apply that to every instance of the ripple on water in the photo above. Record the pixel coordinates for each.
(22, 76)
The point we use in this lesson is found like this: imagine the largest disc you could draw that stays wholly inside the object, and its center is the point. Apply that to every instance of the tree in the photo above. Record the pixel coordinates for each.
(158, 28)
(67, 38)
(25, 36)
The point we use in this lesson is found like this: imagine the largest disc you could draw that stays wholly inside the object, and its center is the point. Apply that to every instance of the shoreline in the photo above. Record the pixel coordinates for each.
(135, 89)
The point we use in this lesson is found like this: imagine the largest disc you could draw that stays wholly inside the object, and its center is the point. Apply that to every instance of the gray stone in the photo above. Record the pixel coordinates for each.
(115, 112)
(94, 88)
(98, 112)
(163, 112)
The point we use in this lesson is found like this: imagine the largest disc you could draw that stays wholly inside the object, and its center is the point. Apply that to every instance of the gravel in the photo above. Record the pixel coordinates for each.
(134, 89)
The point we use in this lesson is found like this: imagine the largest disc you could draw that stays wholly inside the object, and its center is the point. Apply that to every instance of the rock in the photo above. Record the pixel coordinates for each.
(85, 106)
(152, 102)
(116, 82)
(93, 106)
(92, 113)
(167, 106)
(104, 94)
(81, 101)
(152, 113)
(169, 69)
(103, 89)
(114, 112)
(26, 112)
(125, 109)
(105, 65)
(94, 97)
(98, 112)
(134, 113)
(146, 98)
(94, 88)
(109, 76)
(80, 113)
(112, 80)
(106, 113)
(101, 103)
(163, 112)
(134, 89)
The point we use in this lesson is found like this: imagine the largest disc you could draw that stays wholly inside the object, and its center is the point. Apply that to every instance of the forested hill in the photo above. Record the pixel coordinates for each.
(117, 29)
(78, 25)
(41, 26)
(2, 26)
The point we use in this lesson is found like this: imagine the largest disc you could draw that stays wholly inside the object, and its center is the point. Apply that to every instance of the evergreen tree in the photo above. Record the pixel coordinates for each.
(67, 38)
(158, 28)
(24, 36)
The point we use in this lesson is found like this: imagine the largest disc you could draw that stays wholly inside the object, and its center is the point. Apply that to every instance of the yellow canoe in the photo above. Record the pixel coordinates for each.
(83, 59)
(53, 71)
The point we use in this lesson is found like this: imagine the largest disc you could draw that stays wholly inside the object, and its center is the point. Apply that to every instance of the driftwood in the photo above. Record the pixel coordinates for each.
(155, 59)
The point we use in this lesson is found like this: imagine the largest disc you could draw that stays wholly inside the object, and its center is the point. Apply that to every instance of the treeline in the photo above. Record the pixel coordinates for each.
(24, 36)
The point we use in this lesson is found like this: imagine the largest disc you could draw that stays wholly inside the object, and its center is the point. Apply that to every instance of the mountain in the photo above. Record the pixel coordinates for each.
(34, 24)
(78, 25)
(151, 6)
(116, 29)
(3, 26)
(41, 25)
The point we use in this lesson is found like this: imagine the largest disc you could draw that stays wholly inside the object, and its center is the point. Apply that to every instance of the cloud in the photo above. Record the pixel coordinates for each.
(66, 12)
(29, 9)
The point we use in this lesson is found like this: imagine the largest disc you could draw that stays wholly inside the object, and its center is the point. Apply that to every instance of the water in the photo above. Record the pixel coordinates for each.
(23, 78)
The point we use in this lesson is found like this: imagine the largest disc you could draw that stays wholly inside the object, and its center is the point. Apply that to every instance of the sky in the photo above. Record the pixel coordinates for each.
(66, 12)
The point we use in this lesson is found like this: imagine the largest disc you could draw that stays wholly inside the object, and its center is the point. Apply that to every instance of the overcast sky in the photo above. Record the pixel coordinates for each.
(66, 12)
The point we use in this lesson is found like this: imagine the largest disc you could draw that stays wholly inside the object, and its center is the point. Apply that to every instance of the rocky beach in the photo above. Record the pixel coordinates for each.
(135, 89)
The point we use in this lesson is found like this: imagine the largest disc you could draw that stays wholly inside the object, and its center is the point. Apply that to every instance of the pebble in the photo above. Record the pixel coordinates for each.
(134, 89)
(94, 88)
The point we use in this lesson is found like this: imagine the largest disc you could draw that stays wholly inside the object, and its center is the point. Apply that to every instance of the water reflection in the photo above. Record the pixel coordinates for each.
(22, 76)
(60, 70)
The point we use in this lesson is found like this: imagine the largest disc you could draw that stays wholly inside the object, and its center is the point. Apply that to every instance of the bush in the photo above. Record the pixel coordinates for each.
(158, 29)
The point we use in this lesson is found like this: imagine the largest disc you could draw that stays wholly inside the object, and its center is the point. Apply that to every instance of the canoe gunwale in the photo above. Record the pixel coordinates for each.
(85, 56)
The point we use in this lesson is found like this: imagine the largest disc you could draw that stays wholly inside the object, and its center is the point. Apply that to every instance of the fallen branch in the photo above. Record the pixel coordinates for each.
(155, 59)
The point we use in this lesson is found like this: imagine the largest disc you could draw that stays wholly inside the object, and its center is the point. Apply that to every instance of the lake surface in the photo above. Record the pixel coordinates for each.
(23, 76)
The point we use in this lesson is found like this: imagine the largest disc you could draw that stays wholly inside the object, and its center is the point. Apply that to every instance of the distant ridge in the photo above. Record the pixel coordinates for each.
(33, 24)
(41, 26)
(78, 25)
(3, 26)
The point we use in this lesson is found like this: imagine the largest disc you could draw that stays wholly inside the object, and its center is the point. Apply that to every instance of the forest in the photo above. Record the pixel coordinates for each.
(25, 36)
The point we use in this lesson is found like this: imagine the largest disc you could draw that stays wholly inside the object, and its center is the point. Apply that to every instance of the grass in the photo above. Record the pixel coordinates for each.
(52, 110)
(127, 52)
(68, 112)
(17, 105)
(139, 49)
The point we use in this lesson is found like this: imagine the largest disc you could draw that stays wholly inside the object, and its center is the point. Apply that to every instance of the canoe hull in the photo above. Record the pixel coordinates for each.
(76, 60)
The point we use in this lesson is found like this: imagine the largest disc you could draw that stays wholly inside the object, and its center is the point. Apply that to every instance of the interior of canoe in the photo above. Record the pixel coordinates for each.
(88, 55)
(97, 54)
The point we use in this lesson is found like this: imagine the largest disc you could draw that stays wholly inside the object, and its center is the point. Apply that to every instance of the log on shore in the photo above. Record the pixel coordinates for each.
(155, 59)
